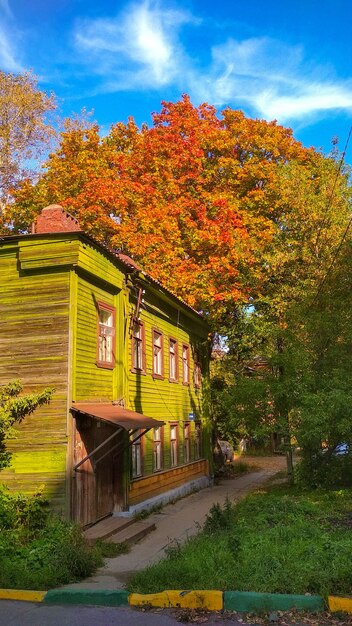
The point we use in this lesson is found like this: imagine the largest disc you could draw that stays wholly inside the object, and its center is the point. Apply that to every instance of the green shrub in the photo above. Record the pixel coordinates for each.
(324, 470)
(39, 550)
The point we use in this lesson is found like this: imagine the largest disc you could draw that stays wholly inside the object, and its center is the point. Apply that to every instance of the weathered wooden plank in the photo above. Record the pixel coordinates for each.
(144, 488)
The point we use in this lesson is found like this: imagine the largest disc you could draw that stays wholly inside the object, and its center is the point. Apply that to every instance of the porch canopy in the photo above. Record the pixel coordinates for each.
(118, 416)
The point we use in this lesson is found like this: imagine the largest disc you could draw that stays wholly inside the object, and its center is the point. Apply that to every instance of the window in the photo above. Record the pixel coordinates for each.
(186, 443)
(158, 358)
(137, 455)
(158, 449)
(173, 360)
(198, 440)
(106, 336)
(138, 351)
(173, 444)
(197, 374)
(185, 364)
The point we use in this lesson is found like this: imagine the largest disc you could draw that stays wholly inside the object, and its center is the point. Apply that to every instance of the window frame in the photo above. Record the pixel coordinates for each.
(134, 369)
(103, 306)
(134, 446)
(158, 441)
(186, 442)
(197, 373)
(175, 342)
(158, 374)
(172, 465)
(186, 361)
(197, 440)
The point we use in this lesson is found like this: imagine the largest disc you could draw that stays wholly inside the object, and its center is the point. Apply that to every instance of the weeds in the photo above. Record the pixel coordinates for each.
(39, 550)
(281, 540)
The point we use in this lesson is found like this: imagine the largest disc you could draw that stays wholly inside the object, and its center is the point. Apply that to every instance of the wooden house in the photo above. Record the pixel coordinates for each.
(128, 423)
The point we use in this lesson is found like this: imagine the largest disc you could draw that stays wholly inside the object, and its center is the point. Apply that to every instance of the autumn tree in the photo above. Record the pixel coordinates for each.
(25, 128)
(219, 208)
(231, 213)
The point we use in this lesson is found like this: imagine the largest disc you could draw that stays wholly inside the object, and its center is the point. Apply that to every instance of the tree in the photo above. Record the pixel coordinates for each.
(219, 208)
(24, 128)
(232, 214)
(13, 409)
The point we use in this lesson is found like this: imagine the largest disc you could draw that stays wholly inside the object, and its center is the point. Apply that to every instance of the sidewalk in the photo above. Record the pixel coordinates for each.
(174, 524)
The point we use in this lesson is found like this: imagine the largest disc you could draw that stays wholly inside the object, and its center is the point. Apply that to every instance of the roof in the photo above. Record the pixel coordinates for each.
(125, 260)
(116, 415)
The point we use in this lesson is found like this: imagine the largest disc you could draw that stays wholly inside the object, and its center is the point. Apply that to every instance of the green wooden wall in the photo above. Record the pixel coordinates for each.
(49, 289)
(34, 345)
(162, 399)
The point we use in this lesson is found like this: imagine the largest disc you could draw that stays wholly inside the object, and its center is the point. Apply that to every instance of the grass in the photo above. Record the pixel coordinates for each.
(280, 540)
(39, 550)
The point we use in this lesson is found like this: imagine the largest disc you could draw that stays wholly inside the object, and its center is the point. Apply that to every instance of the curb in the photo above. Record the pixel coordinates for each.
(96, 597)
(340, 604)
(25, 595)
(252, 602)
(211, 600)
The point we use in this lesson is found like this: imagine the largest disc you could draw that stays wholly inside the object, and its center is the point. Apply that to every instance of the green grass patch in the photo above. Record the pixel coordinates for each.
(280, 540)
(39, 550)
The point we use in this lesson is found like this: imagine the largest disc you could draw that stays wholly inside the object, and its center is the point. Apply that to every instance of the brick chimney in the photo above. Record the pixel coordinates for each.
(54, 219)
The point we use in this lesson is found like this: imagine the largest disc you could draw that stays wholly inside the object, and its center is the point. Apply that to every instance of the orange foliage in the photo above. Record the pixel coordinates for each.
(200, 201)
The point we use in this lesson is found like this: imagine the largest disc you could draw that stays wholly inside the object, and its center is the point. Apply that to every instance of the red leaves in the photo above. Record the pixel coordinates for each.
(198, 200)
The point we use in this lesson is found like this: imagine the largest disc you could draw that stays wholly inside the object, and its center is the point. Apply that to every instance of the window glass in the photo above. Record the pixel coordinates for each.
(173, 444)
(138, 347)
(173, 373)
(185, 364)
(106, 334)
(157, 450)
(197, 373)
(186, 443)
(136, 458)
(198, 440)
(157, 353)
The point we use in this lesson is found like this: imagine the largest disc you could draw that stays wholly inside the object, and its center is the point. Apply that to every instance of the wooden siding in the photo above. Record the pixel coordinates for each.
(34, 349)
(145, 488)
(98, 280)
(165, 400)
(49, 289)
(91, 382)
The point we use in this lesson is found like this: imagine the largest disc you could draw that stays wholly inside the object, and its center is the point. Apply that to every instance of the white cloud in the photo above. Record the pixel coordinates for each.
(8, 54)
(141, 48)
(273, 79)
(138, 48)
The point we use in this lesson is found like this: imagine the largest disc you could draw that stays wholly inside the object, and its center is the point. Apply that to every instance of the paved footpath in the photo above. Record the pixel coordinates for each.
(175, 524)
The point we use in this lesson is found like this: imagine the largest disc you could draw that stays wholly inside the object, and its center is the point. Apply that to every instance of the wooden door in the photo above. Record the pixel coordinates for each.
(96, 483)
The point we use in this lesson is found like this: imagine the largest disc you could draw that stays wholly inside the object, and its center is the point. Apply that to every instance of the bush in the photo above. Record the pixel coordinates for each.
(39, 550)
(324, 470)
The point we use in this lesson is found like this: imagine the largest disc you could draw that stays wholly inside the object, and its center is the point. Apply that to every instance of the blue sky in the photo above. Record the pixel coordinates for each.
(289, 60)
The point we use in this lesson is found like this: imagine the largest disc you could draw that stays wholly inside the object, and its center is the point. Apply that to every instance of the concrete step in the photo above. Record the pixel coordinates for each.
(107, 527)
(133, 533)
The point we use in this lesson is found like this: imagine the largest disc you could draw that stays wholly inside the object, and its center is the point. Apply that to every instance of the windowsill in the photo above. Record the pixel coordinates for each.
(158, 376)
(173, 380)
(141, 372)
(106, 366)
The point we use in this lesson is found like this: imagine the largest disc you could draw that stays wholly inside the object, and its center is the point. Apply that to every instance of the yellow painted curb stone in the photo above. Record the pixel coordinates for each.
(210, 600)
(337, 603)
(19, 594)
